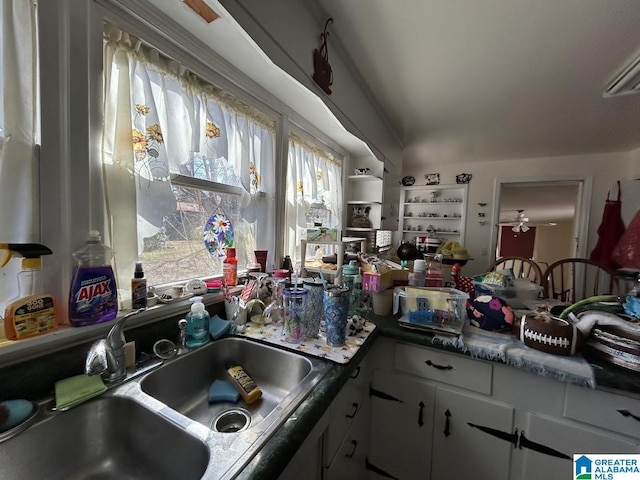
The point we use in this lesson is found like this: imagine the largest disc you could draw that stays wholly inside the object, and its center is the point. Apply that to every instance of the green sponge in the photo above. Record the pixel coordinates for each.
(75, 390)
(223, 391)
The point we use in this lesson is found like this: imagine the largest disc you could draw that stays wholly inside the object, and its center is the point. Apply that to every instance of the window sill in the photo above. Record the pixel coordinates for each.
(12, 352)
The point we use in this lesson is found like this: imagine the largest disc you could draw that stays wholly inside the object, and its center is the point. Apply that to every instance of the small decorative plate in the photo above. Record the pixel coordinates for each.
(218, 234)
(408, 181)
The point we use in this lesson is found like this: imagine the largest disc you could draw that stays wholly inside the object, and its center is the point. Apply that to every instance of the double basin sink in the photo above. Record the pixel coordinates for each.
(161, 425)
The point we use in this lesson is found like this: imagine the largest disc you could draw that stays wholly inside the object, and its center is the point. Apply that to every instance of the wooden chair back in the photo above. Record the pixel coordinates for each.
(522, 268)
(574, 279)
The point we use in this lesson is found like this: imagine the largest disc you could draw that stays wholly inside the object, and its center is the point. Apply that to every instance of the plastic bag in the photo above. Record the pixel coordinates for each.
(626, 253)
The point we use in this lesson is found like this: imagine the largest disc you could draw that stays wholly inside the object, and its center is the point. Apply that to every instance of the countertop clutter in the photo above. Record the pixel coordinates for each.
(277, 453)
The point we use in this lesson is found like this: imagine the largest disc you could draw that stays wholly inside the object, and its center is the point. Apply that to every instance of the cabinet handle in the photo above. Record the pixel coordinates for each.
(353, 451)
(370, 466)
(355, 410)
(355, 373)
(420, 420)
(439, 367)
(509, 437)
(377, 393)
(627, 413)
(447, 416)
(538, 447)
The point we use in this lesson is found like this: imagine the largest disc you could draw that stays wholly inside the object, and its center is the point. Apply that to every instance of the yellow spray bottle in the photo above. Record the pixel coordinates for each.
(31, 312)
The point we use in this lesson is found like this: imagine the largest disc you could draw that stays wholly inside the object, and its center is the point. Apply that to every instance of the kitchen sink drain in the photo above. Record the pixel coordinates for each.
(232, 421)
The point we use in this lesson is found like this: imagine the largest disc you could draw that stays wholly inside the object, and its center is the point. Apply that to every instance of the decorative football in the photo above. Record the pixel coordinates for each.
(548, 334)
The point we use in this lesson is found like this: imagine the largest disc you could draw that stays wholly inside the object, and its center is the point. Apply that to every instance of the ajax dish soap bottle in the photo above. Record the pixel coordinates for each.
(31, 312)
(94, 296)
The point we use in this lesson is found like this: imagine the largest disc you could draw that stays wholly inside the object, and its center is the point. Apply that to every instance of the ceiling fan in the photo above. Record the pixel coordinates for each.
(521, 223)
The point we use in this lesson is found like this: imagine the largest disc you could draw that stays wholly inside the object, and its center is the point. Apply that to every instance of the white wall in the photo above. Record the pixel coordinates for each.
(553, 243)
(602, 168)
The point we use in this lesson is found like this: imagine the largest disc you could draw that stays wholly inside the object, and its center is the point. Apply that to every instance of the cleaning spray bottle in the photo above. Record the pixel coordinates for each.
(93, 297)
(31, 312)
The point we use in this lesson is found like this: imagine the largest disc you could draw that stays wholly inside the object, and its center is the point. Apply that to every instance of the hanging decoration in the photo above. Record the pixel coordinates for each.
(322, 73)
(218, 234)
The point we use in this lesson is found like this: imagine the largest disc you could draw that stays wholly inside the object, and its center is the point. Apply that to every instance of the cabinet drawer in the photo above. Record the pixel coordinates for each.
(444, 367)
(610, 411)
(347, 407)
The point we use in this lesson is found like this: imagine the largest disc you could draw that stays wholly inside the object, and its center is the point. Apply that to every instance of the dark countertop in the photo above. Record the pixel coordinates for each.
(277, 452)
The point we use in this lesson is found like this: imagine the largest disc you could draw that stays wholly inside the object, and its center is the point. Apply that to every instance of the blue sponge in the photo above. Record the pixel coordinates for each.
(218, 327)
(223, 391)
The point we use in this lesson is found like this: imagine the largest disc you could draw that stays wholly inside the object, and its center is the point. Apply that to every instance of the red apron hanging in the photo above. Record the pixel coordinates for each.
(610, 231)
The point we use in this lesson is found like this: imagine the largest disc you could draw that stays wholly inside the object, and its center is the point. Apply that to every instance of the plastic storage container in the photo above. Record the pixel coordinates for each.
(94, 295)
(523, 290)
(431, 307)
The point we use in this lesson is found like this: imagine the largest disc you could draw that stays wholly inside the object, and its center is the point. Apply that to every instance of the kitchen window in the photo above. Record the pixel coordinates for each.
(196, 164)
(314, 177)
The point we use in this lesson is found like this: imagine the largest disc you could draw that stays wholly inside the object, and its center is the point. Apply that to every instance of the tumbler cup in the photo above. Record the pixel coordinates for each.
(336, 309)
(314, 310)
(294, 312)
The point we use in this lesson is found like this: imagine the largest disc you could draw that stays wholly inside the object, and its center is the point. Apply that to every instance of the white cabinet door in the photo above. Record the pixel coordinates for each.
(401, 427)
(462, 451)
(568, 438)
(351, 459)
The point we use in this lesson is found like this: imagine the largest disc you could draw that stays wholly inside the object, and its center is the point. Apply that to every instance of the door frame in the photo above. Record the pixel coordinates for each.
(583, 208)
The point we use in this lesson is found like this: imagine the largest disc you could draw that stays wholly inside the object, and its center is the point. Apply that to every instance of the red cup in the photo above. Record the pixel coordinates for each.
(261, 258)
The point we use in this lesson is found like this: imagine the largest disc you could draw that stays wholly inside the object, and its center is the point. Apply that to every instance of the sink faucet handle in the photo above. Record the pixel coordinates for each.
(182, 336)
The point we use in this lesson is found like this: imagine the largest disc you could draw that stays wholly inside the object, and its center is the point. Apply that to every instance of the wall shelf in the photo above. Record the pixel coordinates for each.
(418, 202)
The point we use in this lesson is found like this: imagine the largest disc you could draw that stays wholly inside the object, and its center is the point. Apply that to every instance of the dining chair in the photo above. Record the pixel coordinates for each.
(522, 267)
(574, 279)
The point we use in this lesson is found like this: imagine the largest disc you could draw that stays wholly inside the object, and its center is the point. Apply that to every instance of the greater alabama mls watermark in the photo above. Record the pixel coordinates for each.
(593, 466)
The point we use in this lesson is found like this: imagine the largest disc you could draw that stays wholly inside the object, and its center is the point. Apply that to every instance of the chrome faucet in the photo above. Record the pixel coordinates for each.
(106, 356)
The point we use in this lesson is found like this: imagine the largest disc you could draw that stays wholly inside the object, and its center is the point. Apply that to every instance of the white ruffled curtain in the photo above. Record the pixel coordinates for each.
(161, 119)
(19, 135)
(312, 176)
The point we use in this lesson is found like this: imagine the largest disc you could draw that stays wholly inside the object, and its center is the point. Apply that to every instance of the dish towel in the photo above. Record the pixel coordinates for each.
(73, 391)
(503, 347)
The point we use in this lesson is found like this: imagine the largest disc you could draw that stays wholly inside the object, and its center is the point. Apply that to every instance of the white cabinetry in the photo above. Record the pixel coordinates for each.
(420, 426)
(346, 439)
(438, 210)
(364, 193)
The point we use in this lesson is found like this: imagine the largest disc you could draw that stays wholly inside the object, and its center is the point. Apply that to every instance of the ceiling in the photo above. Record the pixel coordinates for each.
(541, 204)
(496, 79)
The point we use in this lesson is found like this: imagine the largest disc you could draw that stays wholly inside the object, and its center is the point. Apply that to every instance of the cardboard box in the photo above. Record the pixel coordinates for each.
(376, 282)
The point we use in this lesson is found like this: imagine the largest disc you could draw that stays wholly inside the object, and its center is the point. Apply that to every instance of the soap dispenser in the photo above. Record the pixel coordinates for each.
(197, 324)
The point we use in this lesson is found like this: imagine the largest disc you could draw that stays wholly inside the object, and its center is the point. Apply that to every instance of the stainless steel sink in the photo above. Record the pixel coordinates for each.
(160, 425)
(106, 438)
(184, 384)
(236, 431)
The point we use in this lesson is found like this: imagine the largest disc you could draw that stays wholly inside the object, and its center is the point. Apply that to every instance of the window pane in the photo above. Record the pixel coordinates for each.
(190, 243)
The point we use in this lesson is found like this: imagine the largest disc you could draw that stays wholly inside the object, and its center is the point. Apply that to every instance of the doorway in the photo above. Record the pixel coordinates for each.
(546, 218)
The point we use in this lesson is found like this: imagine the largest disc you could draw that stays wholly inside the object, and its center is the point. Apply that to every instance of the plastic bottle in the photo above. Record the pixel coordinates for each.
(31, 312)
(197, 324)
(230, 268)
(419, 273)
(94, 295)
(138, 288)
(353, 281)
